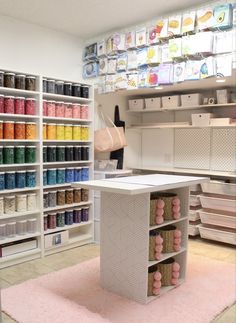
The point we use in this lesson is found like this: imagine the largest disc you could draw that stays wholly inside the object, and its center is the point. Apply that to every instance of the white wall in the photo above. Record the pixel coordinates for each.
(33, 49)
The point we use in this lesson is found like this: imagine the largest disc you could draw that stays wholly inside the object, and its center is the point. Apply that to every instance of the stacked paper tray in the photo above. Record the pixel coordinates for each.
(216, 187)
(218, 202)
(218, 218)
(218, 234)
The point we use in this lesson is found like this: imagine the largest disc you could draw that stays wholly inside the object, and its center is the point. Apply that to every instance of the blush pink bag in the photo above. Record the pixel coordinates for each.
(109, 138)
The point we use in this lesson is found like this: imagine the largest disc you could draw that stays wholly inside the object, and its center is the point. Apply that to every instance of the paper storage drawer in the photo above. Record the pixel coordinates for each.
(223, 220)
(189, 100)
(152, 103)
(216, 187)
(194, 200)
(201, 119)
(56, 239)
(136, 104)
(218, 234)
(172, 101)
(220, 121)
(193, 215)
(193, 230)
(216, 203)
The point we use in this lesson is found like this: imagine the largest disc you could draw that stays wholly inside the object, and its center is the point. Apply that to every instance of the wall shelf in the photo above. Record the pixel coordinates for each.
(18, 214)
(18, 165)
(20, 190)
(68, 141)
(18, 116)
(20, 237)
(77, 162)
(166, 256)
(70, 120)
(17, 92)
(65, 98)
(66, 206)
(177, 126)
(67, 227)
(165, 223)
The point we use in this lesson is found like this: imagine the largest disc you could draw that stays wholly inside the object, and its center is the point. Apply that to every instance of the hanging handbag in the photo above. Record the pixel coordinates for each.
(109, 138)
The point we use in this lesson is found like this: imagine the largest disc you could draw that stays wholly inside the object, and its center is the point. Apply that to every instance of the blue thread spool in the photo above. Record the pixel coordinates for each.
(20, 179)
(30, 178)
(85, 174)
(69, 175)
(77, 215)
(69, 217)
(2, 181)
(61, 175)
(52, 176)
(45, 179)
(85, 214)
(10, 181)
(60, 219)
(78, 174)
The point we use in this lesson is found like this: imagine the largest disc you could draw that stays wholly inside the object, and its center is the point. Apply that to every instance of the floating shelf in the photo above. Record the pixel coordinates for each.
(19, 140)
(17, 116)
(67, 227)
(167, 223)
(177, 126)
(17, 92)
(71, 120)
(18, 214)
(68, 141)
(65, 98)
(68, 163)
(20, 237)
(18, 165)
(66, 206)
(56, 185)
(166, 256)
(19, 190)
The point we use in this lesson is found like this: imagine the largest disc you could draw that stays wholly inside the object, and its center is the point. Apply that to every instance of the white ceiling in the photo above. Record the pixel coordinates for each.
(89, 18)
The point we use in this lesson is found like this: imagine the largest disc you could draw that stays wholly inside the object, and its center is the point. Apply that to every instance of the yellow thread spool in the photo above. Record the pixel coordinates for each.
(60, 132)
(51, 131)
(68, 132)
(76, 132)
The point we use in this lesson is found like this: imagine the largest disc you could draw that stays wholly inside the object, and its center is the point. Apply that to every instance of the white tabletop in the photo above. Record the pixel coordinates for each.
(141, 184)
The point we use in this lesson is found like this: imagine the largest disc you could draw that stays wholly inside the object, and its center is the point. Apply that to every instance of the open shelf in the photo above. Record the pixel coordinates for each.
(177, 126)
(66, 206)
(166, 256)
(17, 116)
(19, 190)
(56, 185)
(68, 141)
(71, 120)
(17, 92)
(20, 237)
(67, 227)
(18, 214)
(65, 98)
(167, 223)
(164, 290)
(18, 165)
(69, 162)
(20, 257)
(19, 140)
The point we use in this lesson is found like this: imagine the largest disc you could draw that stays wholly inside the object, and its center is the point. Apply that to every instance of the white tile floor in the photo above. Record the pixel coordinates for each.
(17, 274)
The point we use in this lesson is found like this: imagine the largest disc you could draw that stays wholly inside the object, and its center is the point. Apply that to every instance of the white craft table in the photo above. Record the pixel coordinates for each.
(125, 208)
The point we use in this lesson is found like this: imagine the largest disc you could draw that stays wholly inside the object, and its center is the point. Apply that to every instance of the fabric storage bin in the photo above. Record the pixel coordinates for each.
(214, 202)
(201, 119)
(152, 103)
(56, 239)
(216, 187)
(223, 219)
(189, 100)
(218, 234)
(136, 104)
(172, 101)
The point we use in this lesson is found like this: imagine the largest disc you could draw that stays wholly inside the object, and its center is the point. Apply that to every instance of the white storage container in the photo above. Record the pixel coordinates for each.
(223, 235)
(222, 220)
(216, 203)
(216, 187)
(152, 103)
(56, 239)
(193, 215)
(190, 100)
(137, 105)
(172, 101)
(201, 119)
(193, 230)
(220, 121)
(222, 96)
(194, 200)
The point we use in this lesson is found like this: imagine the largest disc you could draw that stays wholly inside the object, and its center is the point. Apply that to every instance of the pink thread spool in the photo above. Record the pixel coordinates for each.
(51, 108)
(76, 110)
(60, 110)
(19, 105)
(45, 110)
(1, 103)
(68, 110)
(84, 111)
(30, 106)
(9, 104)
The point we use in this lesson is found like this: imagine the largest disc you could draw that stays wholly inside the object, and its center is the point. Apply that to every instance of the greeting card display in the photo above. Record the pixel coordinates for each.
(189, 45)
(224, 65)
(165, 54)
(207, 67)
(118, 42)
(179, 72)
(175, 47)
(121, 63)
(223, 16)
(141, 37)
(103, 66)
(101, 48)
(223, 42)
(132, 61)
(130, 40)
(101, 84)
(132, 81)
(152, 76)
(141, 57)
(152, 35)
(162, 28)
(174, 25)
(153, 55)
(90, 70)
(110, 83)
(111, 69)
(188, 22)
(121, 81)
(192, 70)
(205, 18)
(142, 78)
(204, 42)
(165, 74)
(90, 52)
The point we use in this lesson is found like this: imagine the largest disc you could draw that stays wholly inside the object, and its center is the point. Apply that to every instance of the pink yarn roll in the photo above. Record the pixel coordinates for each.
(159, 219)
(176, 216)
(159, 212)
(156, 291)
(157, 276)
(177, 247)
(157, 284)
(158, 248)
(175, 274)
(158, 240)
(177, 240)
(160, 204)
(177, 233)
(176, 201)
(157, 255)
(175, 266)
(176, 208)
(174, 281)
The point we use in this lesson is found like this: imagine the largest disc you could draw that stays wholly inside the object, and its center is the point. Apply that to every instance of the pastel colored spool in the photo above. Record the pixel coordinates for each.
(176, 201)
(157, 276)
(19, 105)
(51, 176)
(51, 108)
(21, 203)
(157, 284)
(159, 212)
(20, 179)
(68, 110)
(60, 132)
(160, 204)
(60, 110)
(51, 131)
(68, 132)
(159, 239)
(177, 240)
(76, 132)
(19, 154)
(159, 219)
(84, 112)
(9, 104)
(76, 111)
(177, 247)
(175, 274)
(30, 178)
(8, 130)
(61, 176)
(177, 233)
(8, 155)
(10, 182)
(30, 106)
(174, 281)
(30, 130)
(20, 129)
(176, 209)
(176, 216)
(157, 255)
(159, 248)
(84, 133)
(156, 291)
(2, 181)
(175, 266)
(31, 202)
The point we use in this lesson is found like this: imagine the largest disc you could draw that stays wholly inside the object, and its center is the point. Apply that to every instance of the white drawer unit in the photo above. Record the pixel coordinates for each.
(223, 220)
(191, 99)
(137, 105)
(201, 119)
(224, 203)
(172, 101)
(216, 187)
(193, 215)
(152, 103)
(218, 234)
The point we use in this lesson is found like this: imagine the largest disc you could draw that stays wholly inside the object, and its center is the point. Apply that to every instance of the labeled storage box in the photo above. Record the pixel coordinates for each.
(56, 239)
(201, 119)
(152, 103)
(136, 104)
(172, 101)
(189, 100)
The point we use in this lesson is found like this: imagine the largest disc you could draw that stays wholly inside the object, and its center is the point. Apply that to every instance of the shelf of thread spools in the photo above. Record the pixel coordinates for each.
(167, 242)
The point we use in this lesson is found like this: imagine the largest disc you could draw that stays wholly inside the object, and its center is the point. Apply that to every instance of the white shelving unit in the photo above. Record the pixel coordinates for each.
(78, 233)
(125, 227)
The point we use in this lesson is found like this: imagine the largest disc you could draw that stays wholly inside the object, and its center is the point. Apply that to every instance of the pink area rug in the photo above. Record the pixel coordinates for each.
(73, 295)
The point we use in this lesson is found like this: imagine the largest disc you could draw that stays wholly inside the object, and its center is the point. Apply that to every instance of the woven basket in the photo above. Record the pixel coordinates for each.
(151, 273)
(152, 244)
(167, 233)
(153, 203)
(165, 268)
(167, 198)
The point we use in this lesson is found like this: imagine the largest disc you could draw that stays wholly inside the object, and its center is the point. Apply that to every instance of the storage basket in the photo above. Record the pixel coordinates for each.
(165, 268)
(153, 204)
(167, 234)
(151, 273)
(152, 245)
